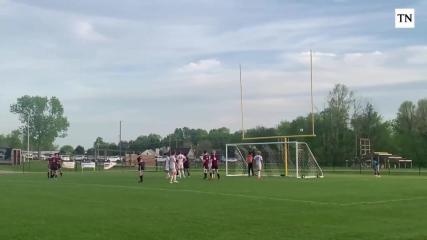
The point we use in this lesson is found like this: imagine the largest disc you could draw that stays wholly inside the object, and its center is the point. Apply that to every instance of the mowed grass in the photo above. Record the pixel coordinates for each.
(112, 205)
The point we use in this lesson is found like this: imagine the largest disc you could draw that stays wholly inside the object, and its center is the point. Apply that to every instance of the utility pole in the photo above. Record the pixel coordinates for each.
(120, 142)
(28, 138)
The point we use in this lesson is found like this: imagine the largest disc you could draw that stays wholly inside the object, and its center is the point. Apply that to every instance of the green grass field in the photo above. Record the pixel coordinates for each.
(112, 205)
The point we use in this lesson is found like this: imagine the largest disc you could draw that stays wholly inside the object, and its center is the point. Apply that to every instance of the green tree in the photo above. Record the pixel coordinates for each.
(409, 125)
(79, 150)
(66, 150)
(337, 136)
(12, 140)
(421, 118)
(142, 143)
(219, 137)
(46, 119)
(368, 123)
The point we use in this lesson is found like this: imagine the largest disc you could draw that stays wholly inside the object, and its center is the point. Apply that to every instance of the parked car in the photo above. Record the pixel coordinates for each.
(114, 158)
(45, 156)
(79, 158)
(65, 158)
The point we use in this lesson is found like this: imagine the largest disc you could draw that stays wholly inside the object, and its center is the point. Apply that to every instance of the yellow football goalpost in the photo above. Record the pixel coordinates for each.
(281, 138)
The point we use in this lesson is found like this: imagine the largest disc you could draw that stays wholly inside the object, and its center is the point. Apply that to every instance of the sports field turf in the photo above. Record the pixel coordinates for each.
(112, 205)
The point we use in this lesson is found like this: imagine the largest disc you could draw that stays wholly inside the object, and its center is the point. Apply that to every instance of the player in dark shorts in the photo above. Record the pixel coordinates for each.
(58, 161)
(53, 166)
(205, 159)
(186, 165)
(49, 167)
(214, 159)
(141, 167)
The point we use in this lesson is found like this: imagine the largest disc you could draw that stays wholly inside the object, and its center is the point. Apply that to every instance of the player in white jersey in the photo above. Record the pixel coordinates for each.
(180, 160)
(258, 163)
(166, 168)
(172, 168)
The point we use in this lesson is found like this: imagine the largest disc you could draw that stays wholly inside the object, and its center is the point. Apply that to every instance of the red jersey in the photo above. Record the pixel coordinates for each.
(249, 158)
(50, 161)
(57, 161)
(214, 159)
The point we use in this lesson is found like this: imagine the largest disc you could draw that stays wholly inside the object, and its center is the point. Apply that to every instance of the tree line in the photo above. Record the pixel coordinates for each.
(338, 127)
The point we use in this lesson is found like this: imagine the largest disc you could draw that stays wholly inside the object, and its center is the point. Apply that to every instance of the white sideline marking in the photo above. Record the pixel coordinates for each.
(382, 201)
(249, 196)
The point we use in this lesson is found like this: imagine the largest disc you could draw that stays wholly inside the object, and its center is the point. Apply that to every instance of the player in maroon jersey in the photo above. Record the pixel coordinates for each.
(53, 166)
(186, 165)
(141, 167)
(50, 167)
(58, 161)
(214, 160)
(206, 160)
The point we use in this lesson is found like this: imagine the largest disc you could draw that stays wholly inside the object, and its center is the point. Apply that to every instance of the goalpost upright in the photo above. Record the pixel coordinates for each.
(285, 139)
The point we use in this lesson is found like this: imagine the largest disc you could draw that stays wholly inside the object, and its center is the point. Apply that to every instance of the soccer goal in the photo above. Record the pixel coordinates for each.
(292, 159)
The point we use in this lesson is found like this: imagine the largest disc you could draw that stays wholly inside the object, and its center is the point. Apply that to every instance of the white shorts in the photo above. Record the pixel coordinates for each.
(259, 166)
(180, 165)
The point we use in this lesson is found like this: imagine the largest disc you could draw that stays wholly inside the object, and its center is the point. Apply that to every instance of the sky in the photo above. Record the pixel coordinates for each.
(160, 65)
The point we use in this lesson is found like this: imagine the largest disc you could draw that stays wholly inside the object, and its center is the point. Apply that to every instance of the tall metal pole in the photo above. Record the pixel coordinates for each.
(28, 137)
(311, 91)
(241, 100)
(120, 142)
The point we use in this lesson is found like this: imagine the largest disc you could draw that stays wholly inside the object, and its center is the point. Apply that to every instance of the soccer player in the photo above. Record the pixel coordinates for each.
(206, 160)
(50, 167)
(172, 168)
(58, 163)
(167, 159)
(214, 160)
(376, 167)
(258, 161)
(54, 166)
(141, 167)
(249, 161)
(180, 162)
(186, 165)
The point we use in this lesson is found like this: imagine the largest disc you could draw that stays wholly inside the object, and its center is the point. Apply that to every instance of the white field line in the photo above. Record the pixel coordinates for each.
(382, 201)
(254, 197)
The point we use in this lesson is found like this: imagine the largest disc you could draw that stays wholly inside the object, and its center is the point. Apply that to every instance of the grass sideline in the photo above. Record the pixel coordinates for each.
(112, 205)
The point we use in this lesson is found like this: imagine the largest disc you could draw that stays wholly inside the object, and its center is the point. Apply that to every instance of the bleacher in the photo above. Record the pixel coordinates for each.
(388, 160)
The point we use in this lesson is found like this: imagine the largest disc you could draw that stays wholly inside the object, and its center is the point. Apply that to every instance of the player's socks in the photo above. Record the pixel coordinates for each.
(140, 179)
(217, 175)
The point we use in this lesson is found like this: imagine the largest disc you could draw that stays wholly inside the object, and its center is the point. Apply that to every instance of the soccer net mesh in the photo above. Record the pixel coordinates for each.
(292, 159)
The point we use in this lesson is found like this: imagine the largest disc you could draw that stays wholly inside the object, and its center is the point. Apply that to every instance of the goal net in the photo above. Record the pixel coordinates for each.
(292, 159)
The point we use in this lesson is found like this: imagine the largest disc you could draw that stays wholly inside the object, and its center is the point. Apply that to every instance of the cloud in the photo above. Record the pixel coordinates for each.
(164, 60)
(86, 31)
(203, 65)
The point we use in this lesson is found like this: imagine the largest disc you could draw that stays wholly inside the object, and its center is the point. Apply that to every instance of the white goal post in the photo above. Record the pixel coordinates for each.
(284, 158)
